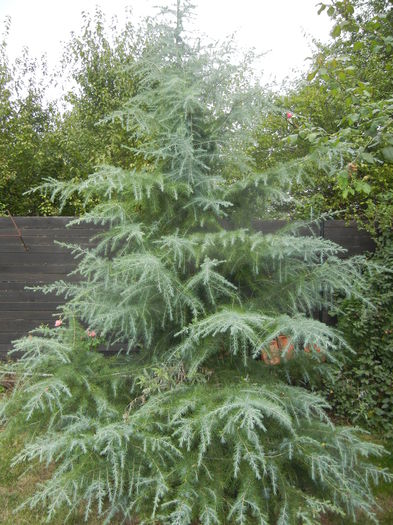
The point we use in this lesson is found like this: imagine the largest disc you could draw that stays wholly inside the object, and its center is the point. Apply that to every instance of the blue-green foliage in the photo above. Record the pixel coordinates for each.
(187, 424)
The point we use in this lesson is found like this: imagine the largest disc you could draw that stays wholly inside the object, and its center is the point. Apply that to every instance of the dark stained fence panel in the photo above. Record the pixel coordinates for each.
(30, 258)
(22, 310)
(349, 236)
(274, 226)
(13, 326)
(267, 226)
(7, 337)
(10, 309)
(45, 261)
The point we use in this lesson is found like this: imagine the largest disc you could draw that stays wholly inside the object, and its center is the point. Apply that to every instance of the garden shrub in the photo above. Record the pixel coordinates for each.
(362, 391)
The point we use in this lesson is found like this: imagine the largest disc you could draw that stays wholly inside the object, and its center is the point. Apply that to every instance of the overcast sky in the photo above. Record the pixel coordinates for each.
(283, 28)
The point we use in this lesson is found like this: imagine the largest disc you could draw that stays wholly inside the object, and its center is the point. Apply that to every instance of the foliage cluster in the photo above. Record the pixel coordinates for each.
(354, 75)
(346, 102)
(342, 111)
(26, 143)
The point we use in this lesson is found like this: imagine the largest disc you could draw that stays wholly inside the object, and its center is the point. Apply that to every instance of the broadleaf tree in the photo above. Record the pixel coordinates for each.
(27, 152)
(187, 424)
(345, 103)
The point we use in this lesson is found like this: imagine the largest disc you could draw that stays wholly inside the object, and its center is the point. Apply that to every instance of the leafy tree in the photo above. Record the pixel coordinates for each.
(97, 62)
(25, 156)
(42, 139)
(188, 424)
(345, 106)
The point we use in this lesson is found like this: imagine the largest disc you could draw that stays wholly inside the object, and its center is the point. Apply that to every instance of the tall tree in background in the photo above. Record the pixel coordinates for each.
(353, 75)
(188, 424)
(27, 154)
(345, 107)
(65, 138)
(341, 119)
(97, 64)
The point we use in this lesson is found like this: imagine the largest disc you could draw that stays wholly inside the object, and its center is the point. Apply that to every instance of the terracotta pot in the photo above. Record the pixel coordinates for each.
(281, 347)
(322, 357)
(277, 347)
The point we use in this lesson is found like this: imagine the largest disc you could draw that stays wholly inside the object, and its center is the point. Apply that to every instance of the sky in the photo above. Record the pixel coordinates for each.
(283, 29)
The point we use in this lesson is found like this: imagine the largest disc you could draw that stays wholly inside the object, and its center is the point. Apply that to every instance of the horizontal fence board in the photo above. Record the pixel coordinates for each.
(13, 308)
(51, 223)
(40, 278)
(13, 326)
(9, 286)
(45, 246)
(275, 226)
(8, 231)
(348, 235)
(28, 296)
(8, 337)
(28, 258)
(49, 248)
(43, 234)
(45, 261)
(268, 226)
(35, 268)
(28, 314)
(26, 223)
(4, 349)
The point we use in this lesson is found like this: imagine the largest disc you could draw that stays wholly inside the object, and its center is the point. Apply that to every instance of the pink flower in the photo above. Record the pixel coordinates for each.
(91, 333)
(58, 322)
(289, 114)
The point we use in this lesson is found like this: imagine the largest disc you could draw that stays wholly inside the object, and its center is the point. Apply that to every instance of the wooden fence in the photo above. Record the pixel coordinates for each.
(29, 257)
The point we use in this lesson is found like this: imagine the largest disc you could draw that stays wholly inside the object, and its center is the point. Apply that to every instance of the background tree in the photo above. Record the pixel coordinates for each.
(97, 62)
(64, 139)
(341, 119)
(345, 105)
(26, 151)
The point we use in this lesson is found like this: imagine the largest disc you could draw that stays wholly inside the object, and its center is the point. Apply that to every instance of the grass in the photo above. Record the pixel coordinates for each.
(384, 492)
(17, 484)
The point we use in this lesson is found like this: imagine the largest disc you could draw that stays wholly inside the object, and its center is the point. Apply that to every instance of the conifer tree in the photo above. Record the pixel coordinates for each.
(187, 424)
